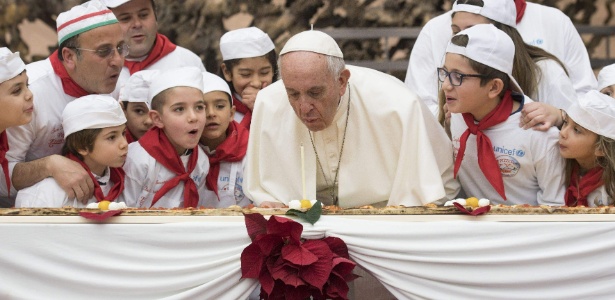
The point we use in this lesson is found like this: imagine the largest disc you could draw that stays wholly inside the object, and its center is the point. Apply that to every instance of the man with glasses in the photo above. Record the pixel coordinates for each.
(149, 50)
(88, 61)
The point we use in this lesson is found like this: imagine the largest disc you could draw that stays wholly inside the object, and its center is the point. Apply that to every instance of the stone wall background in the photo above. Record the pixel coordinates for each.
(28, 26)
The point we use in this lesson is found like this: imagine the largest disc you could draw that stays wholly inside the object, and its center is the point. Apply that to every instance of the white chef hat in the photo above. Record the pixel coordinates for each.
(91, 112)
(488, 46)
(137, 87)
(11, 64)
(82, 18)
(606, 77)
(186, 76)
(595, 112)
(244, 43)
(313, 41)
(213, 82)
(114, 3)
(502, 11)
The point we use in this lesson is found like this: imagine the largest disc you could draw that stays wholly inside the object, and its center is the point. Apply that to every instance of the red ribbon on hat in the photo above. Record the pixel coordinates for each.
(4, 147)
(578, 190)
(116, 175)
(69, 86)
(247, 113)
(162, 47)
(157, 144)
(520, 5)
(486, 158)
(232, 149)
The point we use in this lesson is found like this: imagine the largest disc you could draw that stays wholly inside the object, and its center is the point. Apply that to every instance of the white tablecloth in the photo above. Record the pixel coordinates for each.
(449, 257)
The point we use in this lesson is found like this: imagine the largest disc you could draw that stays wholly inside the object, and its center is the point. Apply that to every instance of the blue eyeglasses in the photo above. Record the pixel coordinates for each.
(455, 78)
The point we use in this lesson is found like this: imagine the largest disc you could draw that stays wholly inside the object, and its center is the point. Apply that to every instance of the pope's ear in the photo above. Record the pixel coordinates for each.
(343, 80)
(156, 118)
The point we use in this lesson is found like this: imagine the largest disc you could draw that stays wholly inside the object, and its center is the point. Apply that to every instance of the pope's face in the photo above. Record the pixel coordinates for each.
(313, 92)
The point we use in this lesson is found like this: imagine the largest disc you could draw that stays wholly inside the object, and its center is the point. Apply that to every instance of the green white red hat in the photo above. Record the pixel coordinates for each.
(83, 18)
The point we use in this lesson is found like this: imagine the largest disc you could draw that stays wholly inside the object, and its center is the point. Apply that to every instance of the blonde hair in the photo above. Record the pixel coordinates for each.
(606, 162)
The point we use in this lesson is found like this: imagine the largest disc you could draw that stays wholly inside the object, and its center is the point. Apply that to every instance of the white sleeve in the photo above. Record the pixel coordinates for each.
(554, 86)
(46, 193)
(549, 168)
(20, 139)
(421, 75)
(577, 59)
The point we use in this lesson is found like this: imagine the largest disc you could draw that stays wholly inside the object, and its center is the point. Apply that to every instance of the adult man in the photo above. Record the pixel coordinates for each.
(88, 61)
(368, 138)
(149, 50)
(539, 25)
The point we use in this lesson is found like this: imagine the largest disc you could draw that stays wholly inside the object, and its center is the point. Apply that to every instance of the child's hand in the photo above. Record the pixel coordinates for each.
(539, 116)
(248, 96)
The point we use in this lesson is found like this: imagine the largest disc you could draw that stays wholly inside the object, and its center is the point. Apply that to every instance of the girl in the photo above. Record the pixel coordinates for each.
(94, 128)
(17, 107)
(249, 58)
(606, 80)
(587, 142)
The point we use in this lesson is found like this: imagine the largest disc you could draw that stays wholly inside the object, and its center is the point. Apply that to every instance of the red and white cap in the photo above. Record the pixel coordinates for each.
(502, 11)
(82, 18)
(489, 46)
(92, 112)
(11, 64)
(114, 3)
(595, 112)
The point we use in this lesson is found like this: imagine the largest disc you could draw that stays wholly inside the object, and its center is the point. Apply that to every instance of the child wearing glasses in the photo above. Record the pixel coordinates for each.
(494, 158)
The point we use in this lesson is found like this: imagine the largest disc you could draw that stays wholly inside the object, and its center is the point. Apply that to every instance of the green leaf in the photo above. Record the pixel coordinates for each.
(311, 215)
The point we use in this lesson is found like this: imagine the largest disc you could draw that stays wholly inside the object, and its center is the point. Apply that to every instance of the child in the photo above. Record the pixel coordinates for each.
(225, 142)
(606, 80)
(495, 158)
(166, 168)
(134, 102)
(94, 127)
(587, 142)
(249, 58)
(17, 107)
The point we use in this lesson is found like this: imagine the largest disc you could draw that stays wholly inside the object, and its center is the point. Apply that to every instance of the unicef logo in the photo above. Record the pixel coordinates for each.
(539, 42)
(520, 153)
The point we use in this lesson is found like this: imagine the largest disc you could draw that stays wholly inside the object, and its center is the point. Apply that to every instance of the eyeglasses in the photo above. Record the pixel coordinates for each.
(107, 52)
(455, 78)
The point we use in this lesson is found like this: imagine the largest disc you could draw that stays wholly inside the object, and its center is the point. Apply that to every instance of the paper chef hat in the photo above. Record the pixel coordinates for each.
(186, 76)
(11, 64)
(113, 3)
(137, 87)
(82, 18)
(91, 112)
(213, 82)
(502, 11)
(595, 112)
(606, 77)
(488, 46)
(244, 43)
(313, 41)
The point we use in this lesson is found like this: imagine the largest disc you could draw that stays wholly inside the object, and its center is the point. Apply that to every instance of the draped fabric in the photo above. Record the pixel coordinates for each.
(438, 257)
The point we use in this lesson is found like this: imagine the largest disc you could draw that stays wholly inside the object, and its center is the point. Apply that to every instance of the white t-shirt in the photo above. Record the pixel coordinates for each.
(145, 176)
(531, 166)
(541, 26)
(231, 175)
(47, 193)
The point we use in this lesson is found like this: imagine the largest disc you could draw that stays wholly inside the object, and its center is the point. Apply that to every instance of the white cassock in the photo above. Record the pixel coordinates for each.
(394, 149)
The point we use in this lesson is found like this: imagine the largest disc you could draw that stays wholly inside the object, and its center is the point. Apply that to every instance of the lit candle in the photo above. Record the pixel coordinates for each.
(303, 171)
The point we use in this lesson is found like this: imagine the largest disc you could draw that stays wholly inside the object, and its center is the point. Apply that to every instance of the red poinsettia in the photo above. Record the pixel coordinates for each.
(289, 267)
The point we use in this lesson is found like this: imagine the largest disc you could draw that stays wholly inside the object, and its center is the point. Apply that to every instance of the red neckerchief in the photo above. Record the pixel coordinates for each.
(520, 5)
(232, 149)
(247, 113)
(129, 137)
(116, 175)
(486, 158)
(577, 192)
(4, 147)
(70, 87)
(162, 47)
(156, 143)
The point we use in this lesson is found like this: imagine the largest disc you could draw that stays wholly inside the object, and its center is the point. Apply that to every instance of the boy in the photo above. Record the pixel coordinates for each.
(225, 142)
(166, 168)
(94, 128)
(17, 106)
(136, 107)
(495, 158)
